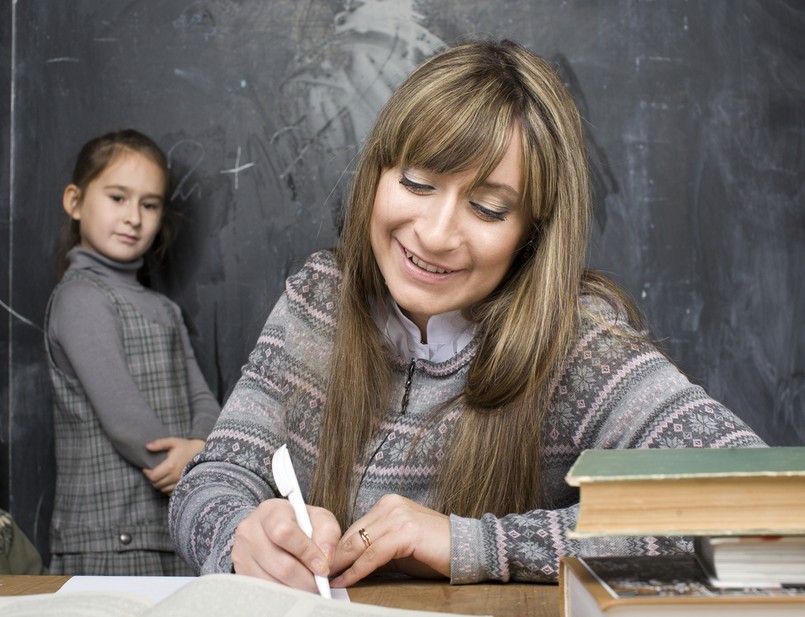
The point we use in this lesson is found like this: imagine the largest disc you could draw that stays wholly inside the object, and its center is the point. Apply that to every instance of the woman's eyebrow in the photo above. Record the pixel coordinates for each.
(502, 187)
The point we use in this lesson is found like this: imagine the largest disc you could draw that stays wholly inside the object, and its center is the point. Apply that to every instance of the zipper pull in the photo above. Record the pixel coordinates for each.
(407, 391)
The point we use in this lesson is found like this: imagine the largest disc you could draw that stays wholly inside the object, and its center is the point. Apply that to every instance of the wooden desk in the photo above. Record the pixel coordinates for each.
(500, 600)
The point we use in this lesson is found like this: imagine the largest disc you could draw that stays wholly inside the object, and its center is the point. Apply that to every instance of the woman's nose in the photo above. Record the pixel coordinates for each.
(439, 228)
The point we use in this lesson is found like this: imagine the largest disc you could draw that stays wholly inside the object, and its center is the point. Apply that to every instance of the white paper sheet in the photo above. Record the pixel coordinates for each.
(153, 587)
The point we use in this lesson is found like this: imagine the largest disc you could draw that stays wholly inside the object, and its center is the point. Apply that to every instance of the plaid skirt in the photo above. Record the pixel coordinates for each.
(126, 563)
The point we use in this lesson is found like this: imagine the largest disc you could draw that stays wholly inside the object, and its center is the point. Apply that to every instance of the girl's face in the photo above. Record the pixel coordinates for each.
(120, 211)
(440, 248)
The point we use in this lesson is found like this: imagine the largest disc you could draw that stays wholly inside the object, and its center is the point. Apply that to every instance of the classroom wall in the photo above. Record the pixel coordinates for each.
(694, 114)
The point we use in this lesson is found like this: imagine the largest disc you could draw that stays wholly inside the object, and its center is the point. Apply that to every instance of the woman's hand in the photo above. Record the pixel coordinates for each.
(178, 451)
(403, 536)
(270, 544)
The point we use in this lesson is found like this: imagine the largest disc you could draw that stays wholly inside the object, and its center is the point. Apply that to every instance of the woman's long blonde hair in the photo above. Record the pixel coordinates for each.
(455, 113)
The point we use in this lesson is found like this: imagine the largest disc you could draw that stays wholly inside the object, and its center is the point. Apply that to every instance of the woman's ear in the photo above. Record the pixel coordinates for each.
(71, 199)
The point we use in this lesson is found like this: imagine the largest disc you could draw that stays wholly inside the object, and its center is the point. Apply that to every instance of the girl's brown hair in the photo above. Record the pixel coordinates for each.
(95, 156)
(456, 113)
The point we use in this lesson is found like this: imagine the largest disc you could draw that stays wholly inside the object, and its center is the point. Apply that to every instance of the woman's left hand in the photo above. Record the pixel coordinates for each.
(402, 536)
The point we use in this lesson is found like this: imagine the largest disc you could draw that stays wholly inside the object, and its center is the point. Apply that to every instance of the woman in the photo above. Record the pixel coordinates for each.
(438, 373)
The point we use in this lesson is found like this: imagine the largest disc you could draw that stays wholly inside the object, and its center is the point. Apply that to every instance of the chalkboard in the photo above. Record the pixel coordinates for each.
(694, 112)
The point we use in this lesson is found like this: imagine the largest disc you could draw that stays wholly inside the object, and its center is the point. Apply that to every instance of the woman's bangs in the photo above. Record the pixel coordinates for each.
(453, 138)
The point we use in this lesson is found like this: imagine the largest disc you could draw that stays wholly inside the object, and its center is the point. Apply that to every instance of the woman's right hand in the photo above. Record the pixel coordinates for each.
(270, 544)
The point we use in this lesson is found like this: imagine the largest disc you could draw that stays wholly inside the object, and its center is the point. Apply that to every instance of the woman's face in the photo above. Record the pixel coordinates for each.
(439, 248)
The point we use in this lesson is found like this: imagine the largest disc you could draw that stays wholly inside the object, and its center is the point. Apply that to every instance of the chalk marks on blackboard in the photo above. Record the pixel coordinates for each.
(199, 18)
(237, 169)
(197, 78)
(186, 186)
(336, 89)
(14, 313)
(194, 154)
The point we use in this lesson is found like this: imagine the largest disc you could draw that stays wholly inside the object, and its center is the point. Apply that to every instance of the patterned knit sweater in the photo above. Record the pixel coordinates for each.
(613, 393)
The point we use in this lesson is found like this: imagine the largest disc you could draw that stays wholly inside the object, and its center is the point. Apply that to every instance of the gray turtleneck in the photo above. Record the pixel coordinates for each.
(85, 340)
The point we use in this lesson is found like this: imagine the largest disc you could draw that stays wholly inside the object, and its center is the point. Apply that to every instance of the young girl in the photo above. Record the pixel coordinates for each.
(436, 375)
(131, 405)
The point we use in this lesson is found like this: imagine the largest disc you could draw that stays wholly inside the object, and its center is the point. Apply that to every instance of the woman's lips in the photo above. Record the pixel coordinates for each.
(424, 265)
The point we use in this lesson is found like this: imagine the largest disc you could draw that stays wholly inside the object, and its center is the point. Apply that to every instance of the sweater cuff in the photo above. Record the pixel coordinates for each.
(466, 540)
(478, 550)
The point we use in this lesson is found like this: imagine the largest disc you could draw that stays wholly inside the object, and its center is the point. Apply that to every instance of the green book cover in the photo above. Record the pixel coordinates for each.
(670, 463)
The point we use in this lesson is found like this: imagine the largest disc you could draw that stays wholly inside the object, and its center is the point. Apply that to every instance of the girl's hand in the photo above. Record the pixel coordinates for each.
(404, 537)
(179, 451)
(270, 544)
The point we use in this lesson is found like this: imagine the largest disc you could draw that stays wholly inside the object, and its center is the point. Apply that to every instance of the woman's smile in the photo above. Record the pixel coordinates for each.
(424, 265)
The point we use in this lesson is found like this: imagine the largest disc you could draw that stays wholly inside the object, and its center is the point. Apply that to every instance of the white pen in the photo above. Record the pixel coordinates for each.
(288, 485)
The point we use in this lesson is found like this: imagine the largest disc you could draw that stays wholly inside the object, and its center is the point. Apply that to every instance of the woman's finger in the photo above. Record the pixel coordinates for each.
(270, 544)
(326, 531)
(286, 533)
(371, 555)
(396, 533)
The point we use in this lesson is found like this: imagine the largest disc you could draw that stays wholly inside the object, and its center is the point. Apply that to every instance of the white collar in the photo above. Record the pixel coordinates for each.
(448, 333)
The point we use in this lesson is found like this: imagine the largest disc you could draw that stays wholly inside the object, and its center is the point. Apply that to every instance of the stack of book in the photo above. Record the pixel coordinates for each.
(753, 561)
(745, 509)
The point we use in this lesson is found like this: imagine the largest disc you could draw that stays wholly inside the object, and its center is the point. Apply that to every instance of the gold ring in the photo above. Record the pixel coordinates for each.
(365, 537)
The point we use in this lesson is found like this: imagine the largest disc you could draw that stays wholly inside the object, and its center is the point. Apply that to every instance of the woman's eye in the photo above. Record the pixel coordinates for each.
(116, 197)
(415, 187)
(151, 205)
(487, 213)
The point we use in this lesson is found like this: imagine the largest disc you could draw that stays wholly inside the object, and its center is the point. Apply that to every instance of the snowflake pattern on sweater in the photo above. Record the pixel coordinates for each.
(613, 392)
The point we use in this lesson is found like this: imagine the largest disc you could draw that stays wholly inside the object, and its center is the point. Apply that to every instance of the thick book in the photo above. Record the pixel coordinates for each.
(668, 585)
(690, 492)
(737, 561)
(213, 595)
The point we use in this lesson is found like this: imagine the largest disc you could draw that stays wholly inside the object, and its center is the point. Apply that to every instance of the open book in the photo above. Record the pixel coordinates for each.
(213, 595)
